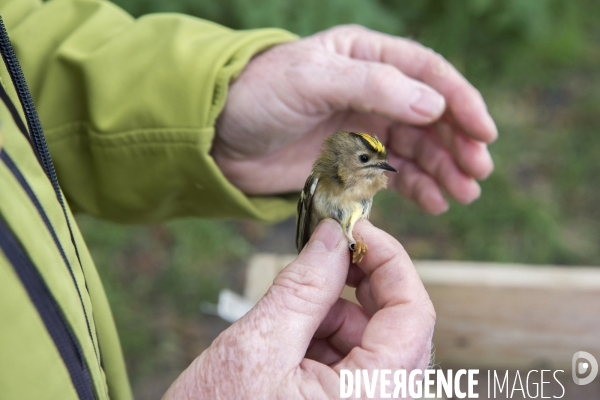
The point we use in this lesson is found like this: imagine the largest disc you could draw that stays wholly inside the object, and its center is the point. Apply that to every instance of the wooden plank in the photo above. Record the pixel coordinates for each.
(261, 271)
(508, 275)
(513, 316)
(494, 315)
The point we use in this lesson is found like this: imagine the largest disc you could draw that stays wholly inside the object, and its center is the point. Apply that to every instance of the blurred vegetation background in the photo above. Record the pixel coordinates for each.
(537, 63)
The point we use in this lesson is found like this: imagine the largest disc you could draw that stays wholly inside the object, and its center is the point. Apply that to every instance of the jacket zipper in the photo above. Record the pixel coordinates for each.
(50, 313)
(38, 141)
(33, 121)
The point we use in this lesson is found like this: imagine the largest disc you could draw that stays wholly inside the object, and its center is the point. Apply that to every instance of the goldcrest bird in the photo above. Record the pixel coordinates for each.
(344, 179)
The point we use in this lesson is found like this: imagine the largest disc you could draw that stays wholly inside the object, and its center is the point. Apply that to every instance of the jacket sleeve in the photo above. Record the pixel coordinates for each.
(129, 106)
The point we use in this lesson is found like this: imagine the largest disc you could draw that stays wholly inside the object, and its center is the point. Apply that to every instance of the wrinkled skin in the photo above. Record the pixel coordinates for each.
(295, 341)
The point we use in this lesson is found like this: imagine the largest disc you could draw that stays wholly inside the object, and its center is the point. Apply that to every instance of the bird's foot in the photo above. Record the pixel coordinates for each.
(359, 249)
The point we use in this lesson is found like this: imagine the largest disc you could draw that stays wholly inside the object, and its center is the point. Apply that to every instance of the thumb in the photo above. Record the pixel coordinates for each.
(304, 292)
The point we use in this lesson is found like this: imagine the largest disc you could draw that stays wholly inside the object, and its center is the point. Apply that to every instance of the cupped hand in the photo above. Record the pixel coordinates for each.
(300, 335)
(289, 98)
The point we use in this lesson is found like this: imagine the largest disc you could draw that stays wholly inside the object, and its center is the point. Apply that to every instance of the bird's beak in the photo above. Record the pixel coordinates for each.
(387, 167)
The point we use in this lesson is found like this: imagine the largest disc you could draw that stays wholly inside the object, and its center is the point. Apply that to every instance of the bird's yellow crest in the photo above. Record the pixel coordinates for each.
(372, 141)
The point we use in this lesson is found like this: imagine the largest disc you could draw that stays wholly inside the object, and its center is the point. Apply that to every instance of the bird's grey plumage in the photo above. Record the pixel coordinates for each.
(342, 184)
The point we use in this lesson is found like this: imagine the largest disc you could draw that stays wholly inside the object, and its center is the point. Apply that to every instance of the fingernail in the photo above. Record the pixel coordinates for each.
(492, 128)
(428, 103)
(326, 237)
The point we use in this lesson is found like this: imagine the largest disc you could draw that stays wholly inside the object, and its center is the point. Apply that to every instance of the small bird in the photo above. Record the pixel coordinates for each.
(341, 186)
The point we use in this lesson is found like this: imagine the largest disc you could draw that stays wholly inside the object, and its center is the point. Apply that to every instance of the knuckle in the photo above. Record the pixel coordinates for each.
(349, 29)
(307, 66)
(438, 65)
(334, 37)
(299, 289)
(477, 94)
(428, 310)
(305, 54)
(433, 63)
(300, 277)
(436, 58)
(391, 256)
(313, 55)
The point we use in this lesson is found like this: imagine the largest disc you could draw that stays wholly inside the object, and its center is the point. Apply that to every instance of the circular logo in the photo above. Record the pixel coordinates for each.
(584, 363)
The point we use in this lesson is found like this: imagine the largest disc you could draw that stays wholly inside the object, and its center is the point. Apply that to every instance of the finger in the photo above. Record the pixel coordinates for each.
(355, 275)
(425, 148)
(392, 276)
(344, 325)
(322, 351)
(301, 296)
(471, 155)
(369, 87)
(399, 334)
(415, 184)
(365, 297)
(423, 64)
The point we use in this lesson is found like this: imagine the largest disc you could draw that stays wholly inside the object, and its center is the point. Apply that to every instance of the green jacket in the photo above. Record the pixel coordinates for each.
(128, 109)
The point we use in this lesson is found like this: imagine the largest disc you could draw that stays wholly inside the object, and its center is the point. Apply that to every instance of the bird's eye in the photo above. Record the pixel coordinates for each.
(363, 158)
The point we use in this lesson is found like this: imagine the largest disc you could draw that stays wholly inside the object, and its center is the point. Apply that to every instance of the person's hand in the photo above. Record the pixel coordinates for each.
(289, 98)
(299, 336)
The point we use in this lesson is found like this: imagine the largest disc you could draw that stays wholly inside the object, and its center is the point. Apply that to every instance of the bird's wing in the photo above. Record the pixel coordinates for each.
(304, 211)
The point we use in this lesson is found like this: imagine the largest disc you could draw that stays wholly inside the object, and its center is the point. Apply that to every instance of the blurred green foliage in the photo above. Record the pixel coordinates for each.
(486, 39)
(537, 63)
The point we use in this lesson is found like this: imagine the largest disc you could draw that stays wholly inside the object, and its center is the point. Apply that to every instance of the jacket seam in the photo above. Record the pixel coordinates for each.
(136, 136)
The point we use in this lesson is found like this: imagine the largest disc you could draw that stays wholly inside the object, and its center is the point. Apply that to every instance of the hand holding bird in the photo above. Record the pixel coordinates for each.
(434, 124)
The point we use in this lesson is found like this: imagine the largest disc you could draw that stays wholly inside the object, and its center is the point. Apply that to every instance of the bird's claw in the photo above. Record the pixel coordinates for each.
(359, 249)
